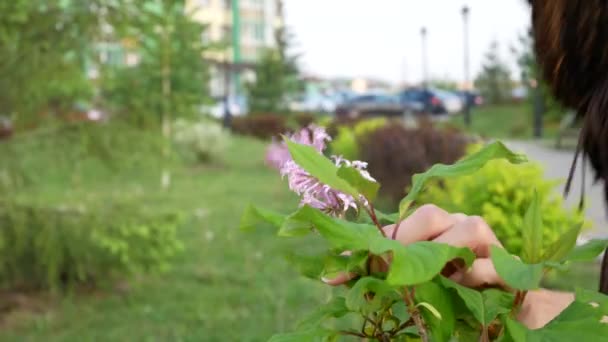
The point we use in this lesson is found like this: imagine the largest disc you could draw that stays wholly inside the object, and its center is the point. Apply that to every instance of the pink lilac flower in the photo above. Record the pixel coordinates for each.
(277, 153)
(313, 192)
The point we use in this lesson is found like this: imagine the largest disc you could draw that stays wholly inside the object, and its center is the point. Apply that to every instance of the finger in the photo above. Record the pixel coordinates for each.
(472, 232)
(424, 224)
(482, 273)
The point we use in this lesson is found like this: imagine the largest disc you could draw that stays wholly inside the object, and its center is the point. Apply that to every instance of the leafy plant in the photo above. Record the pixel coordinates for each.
(346, 143)
(263, 126)
(203, 139)
(395, 153)
(410, 300)
(500, 193)
(56, 247)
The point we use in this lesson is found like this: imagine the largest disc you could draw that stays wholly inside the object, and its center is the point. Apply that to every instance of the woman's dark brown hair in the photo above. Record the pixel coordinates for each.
(571, 46)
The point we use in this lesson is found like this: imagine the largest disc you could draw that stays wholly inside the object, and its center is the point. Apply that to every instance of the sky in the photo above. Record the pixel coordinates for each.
(381, 38)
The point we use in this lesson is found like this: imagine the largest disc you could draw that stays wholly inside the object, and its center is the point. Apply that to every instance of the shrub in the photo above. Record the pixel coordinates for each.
(60, 222)
(346, 143)
(203, 139)
(500, 193)
(54, 247)
(395, 153)
(304, 119)
(263, 126)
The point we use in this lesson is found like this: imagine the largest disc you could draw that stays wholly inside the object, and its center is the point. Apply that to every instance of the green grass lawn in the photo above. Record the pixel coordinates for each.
(503, 122)
(226, 286)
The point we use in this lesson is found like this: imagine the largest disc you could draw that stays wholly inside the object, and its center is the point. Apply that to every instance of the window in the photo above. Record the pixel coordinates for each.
(258, 31)
(202, 3)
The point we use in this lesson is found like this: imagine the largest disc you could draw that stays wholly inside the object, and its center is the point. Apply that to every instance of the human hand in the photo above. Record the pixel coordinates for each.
(431, 223)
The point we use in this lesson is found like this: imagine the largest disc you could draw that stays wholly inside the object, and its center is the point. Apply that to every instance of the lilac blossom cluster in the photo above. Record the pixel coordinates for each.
(312, 191)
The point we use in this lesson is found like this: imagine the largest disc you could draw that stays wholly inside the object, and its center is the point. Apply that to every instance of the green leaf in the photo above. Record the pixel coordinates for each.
(254, 217)
(439, 314)
(422, 261)
(514, 272)
(564, 245)
(334, 266)
(516, 331)
(532, 233)
(596, 299)
(319, 167)
(413, 264)
(370, 295)
(357, 262)
(294, 225)
(485, 306)
(310, 266)
(588, 251)
(465, 166)
(342, 235)
(311, 335)
(335, 308)
(369, 189)
(430, 308)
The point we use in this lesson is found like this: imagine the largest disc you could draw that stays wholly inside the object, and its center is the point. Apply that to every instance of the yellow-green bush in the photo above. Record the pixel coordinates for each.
(346, 143)
(501, 193)
(55, 247)
(72, 208)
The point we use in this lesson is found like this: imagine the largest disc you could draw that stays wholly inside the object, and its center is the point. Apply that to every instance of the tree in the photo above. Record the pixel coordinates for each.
(494, 80)
(530, 77)
(277, 76)
(44, 49)
(171, 79)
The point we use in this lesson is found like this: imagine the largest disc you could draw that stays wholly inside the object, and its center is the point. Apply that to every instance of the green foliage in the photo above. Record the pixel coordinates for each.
(530, 71)
(76, 155)
(346, 143)
(276, 76)
(44, 49)
(494, 80)
(409, 276)
(55, 247)
(514, 272)
(171, 78)
(205, 139)
(395, 153)
(57, 231)
(501, 193)
(468, 165)
(260, 126)
(267, 93)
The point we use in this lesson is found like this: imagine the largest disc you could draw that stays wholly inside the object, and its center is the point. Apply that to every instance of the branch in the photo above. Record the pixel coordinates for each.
(372, 214)
(424, 336)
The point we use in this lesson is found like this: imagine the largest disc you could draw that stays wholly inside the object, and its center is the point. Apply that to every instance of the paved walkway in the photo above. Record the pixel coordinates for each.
(557, 165)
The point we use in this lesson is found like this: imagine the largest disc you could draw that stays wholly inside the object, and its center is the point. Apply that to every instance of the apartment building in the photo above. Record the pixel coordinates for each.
(255, 22)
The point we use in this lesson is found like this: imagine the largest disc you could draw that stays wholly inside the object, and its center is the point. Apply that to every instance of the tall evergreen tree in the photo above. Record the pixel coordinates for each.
(494, 80)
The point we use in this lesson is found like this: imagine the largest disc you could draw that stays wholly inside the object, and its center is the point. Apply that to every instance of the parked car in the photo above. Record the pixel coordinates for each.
(371, 105)
(6, 127)
(473, 98)
(312, 103)
(431, 100)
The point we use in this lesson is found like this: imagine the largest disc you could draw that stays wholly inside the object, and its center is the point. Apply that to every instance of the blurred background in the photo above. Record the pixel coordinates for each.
(133, 133)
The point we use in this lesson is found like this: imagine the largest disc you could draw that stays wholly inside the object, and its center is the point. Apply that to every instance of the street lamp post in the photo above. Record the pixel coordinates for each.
(425, 75)
(467, 81)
